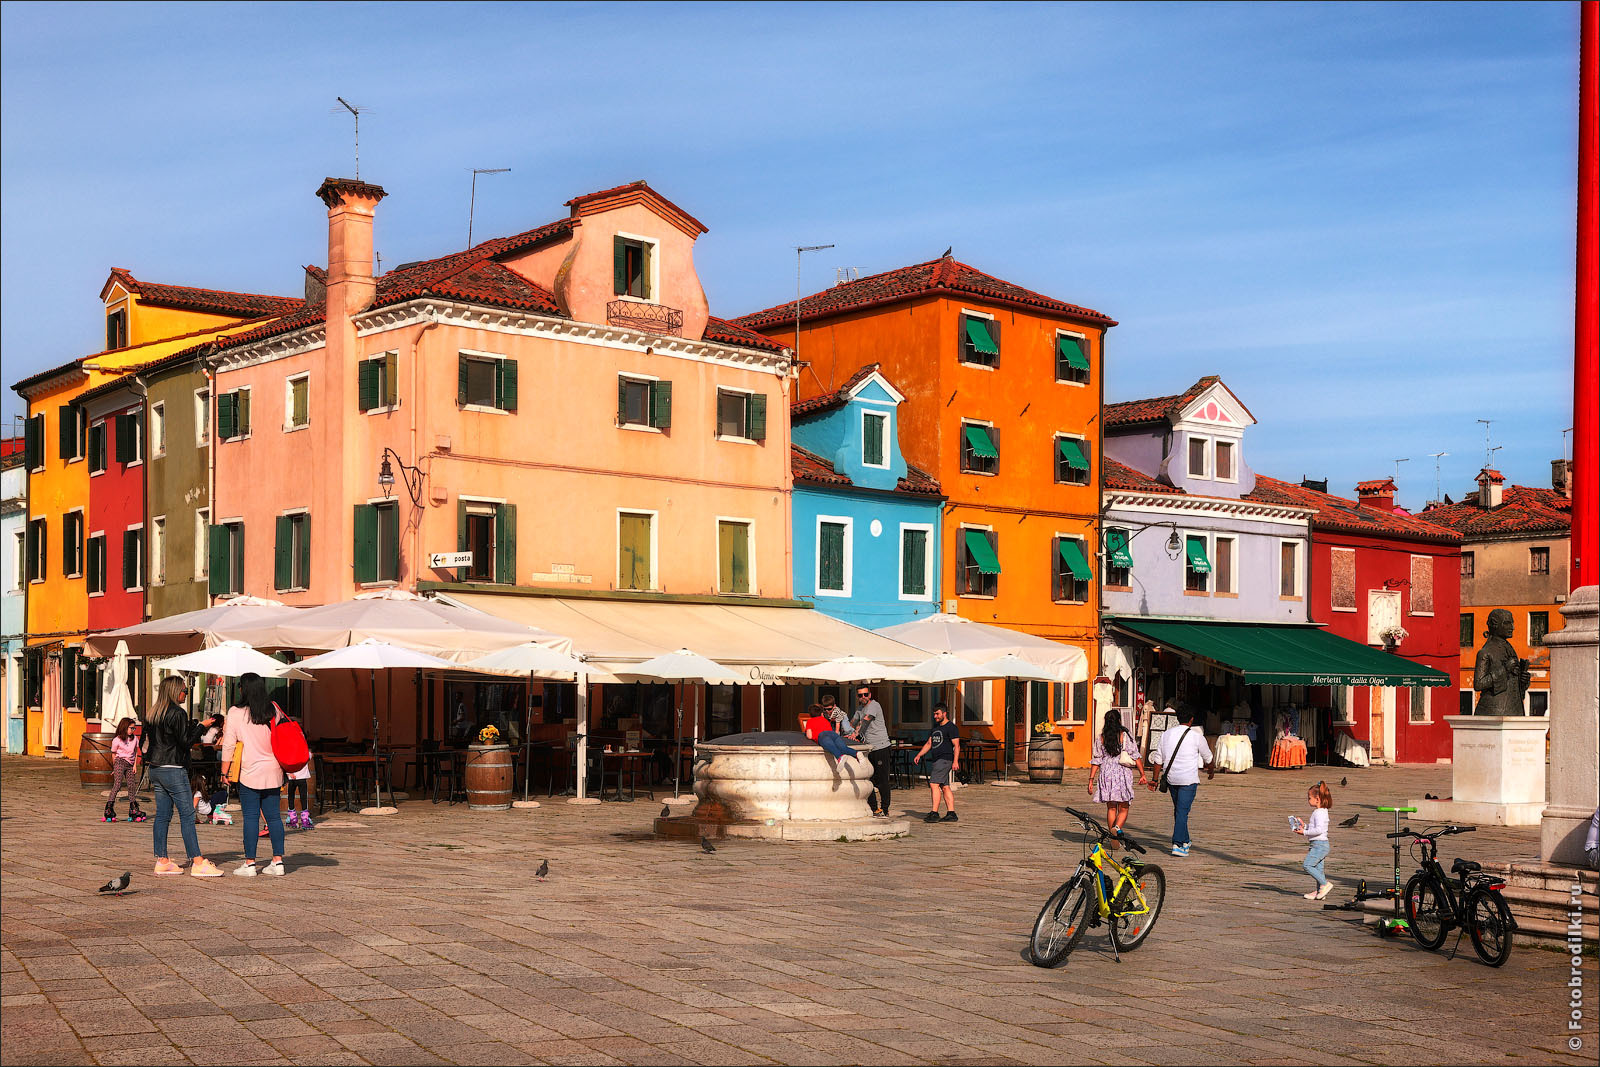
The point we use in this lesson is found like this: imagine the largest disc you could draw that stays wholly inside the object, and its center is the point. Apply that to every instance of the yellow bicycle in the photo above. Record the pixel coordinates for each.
(1126, 896)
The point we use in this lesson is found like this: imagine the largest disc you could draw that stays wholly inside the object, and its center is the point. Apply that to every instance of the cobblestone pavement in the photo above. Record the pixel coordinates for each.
(424, 938)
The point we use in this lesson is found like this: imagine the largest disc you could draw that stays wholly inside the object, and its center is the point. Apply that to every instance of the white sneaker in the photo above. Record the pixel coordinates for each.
(246, 869)
(275, 867)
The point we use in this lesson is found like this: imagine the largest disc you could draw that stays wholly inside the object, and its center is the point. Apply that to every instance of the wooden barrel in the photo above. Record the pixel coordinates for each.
(488, 777)
(94, 761)
(1045, 758)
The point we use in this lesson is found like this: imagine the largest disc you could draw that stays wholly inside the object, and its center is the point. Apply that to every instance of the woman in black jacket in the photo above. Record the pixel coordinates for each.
(169, 736)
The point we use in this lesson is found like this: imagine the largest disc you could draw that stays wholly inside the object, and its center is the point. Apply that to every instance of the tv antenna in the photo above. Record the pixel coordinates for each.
(1436, 456)
(799, 254)
(355, 110)
(1488, 452)
(473, 205)
(1397, 468)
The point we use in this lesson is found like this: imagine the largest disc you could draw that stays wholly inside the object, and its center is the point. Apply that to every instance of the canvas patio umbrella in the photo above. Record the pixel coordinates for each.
(191, 630)
(979, 642)
(680, 666)
(1014, 668)
(947, 667)
(231, 659)
(373, 655)
(536, 661)
(847, 669)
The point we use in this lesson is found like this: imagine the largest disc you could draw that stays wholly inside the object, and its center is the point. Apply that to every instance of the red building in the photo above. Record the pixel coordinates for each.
(1386, 578)
(115, 536)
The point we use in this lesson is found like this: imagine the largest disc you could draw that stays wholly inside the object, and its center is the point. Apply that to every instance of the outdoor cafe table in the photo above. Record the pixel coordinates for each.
(349, 762)
(978, 752)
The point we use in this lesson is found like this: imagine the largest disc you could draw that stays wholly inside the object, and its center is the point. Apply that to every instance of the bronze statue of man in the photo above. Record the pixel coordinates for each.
(1500, 675)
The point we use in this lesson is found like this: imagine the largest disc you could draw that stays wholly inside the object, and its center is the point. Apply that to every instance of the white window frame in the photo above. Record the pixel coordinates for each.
(750, 550)
(242, 436)
(288, 402)
(108, 446)
(292, 513)
(1067, 711)
(653, 283)
(1390, 596)
(1233, 448)
(1410, 604)
(202, 544)
(140, 577)
(1056, 365)
(202, 417)
(884, 435)
(1332, 549)
(477, 357)
(1057, 561)
(475, 505)
(158, 430)
(655, 544)
(643, 427)
(1105, 556)
(962, 444)
(235, 520)
(1299, 568)
(1205, 452)
(83, 530)
(1427, 706)
(1210, 575)
(968, 313)
(382, 359)
(105, 579)
(157, 552)
(1211, 557)
(19, 559)
(140, 444)
(849, 555)
(927, 563)
(961, 532)
(1055, 458)
(986, 706)
(717, 415)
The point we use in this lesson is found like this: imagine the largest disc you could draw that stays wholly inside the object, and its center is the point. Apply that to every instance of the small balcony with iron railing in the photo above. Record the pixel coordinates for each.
(638, 315)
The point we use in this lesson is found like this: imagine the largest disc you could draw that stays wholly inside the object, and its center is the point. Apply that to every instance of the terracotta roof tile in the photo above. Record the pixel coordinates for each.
(212, 301)
(1375, 485)
(812, 469)
(1523, 510)
(1121, 476)
(1335, 513)
(906, 283)
(725, 332)
(1156, 408)
(919, 481)
(837, 398)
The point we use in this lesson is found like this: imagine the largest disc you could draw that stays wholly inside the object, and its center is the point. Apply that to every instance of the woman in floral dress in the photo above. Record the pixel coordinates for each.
(1110, 778)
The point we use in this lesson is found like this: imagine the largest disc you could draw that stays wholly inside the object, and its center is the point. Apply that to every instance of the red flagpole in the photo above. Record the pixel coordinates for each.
(1585, 568)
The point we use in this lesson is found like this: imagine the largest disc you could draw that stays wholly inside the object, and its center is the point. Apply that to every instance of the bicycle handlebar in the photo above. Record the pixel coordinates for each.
(1090, 823)
(1446, 832)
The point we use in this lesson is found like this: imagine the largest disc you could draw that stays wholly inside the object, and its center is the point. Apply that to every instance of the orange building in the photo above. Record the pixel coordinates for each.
(1003, 386)
(144, 322)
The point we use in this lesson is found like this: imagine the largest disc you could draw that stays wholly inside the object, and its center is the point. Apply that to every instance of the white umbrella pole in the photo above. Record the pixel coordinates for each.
(527, 730)
(763, 707)
(583, 736)
(677, 764)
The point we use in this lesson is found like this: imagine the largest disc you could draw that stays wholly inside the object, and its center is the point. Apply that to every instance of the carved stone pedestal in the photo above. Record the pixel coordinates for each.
(1496, 771)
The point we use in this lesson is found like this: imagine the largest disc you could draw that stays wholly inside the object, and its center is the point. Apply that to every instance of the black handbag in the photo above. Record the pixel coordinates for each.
(1162, 784)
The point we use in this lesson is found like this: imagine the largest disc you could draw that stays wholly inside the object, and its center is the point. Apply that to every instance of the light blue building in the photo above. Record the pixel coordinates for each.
(866, 523)
(13, 520)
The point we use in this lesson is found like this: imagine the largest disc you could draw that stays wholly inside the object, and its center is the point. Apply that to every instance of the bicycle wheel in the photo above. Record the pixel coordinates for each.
(1490, 925)
(1129, 931)
(1061, 922)
(1427, 910)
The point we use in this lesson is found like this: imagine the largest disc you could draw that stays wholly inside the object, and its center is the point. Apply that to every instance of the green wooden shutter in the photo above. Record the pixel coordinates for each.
(219, 557)
(123, 431)
(367, 384)
(67, 435)
(225, 416)
(872, 445)
(461, 381)
(388, 534)
(633, 547)
(661, 404)
(391, 379)
(94, 565)
(282, 559)
(299, 399)
(304, 561)
(914, 563)
(756, 417)
(366, 543)
(622, 401)
(733, 557)
(241, 411)
(505, 544)
(31, 547)
(461, 536)
(66, 543)
(505, 384)
(644, 271)
(33, 441)
(830, 571)
(129, 563)
(619, 265)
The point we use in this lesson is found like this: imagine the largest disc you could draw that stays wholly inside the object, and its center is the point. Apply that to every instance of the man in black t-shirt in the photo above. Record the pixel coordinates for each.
(943, 749)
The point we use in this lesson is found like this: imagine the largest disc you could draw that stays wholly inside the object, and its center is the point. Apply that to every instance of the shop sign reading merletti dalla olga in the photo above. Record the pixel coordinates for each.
(450, 559)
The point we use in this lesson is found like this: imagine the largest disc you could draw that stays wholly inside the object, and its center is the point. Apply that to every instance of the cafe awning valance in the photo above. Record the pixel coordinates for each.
(1282, 655)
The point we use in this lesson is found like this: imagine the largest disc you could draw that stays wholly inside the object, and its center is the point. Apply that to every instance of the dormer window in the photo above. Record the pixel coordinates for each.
(117, 329)
(632, 266)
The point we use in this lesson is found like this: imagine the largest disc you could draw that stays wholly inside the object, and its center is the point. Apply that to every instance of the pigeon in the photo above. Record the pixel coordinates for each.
(118, 885)
(1429, 796)
(706, 846)
(666, 811)
(1344, 782)
(1351, 821)
(947, 252)
(544, 869)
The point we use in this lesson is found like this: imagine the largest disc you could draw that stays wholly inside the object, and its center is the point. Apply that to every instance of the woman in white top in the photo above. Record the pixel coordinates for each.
(248, 732)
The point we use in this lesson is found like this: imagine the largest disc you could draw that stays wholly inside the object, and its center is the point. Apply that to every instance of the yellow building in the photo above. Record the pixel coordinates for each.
(144, 322)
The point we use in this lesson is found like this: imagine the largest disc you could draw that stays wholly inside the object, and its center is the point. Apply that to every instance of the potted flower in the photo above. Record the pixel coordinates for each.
(1393, 636)
(488, 772)
(1045, 753)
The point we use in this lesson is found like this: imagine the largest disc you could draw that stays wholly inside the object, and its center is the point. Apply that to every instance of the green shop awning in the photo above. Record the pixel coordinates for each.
(981, 553)
(1072, 556)
(978, 440)
(1072, 451)
(1283, 655)
(1117, 548)
(1071, 350)
(1196, 550)
(978, 334)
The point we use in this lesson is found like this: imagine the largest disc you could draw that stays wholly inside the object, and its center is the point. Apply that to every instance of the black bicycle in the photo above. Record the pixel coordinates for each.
(1127, 896)
(1471, 903)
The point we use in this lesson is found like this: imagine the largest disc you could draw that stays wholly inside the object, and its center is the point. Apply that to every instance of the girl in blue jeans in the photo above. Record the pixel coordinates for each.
(1315, 831)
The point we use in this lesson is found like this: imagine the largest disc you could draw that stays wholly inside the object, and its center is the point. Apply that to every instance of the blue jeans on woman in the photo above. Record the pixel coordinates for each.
(1182, 801)
(260, 802)
(171, 786)
(1313, 861)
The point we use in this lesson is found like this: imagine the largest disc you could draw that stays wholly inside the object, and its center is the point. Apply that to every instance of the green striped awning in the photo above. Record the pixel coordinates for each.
(1117, 548)
(1071, 351)
(1283, 655)
(1072, 451)
(982, 340)
(1196, 551)
(980, 443)
(981, 553)
(1072, 556)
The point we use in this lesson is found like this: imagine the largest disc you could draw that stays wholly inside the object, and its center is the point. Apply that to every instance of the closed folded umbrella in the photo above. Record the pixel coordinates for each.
(116, 703)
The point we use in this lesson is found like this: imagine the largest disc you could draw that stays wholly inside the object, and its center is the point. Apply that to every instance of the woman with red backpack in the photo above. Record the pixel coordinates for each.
(247, 744)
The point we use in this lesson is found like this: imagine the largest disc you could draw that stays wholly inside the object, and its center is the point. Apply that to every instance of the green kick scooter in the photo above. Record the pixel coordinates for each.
(1395, 924)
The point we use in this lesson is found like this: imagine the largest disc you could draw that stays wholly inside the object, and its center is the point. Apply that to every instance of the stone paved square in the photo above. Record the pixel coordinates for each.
(424, 938)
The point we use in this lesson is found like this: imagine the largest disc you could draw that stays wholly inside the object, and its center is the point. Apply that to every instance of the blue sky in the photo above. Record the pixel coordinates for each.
(1360, 216)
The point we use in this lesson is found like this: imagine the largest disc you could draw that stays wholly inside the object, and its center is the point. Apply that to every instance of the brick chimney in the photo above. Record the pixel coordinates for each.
(1491, 488)
(351, 204)
(1377, 493)
(1561, 477)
